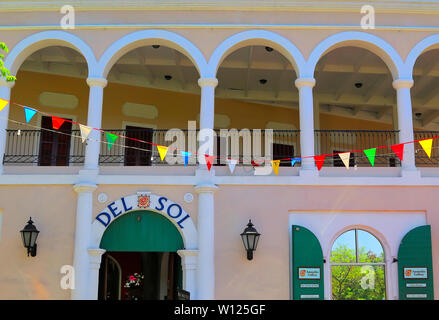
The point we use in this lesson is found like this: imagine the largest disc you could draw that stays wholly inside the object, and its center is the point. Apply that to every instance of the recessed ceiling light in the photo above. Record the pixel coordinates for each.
(358, 85)
(263, 81)
(269, 49)
(156, 46)
(168, 77)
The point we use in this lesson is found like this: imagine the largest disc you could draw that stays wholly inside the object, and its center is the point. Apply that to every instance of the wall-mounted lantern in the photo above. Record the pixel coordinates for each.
(29, 236)
(250, 237)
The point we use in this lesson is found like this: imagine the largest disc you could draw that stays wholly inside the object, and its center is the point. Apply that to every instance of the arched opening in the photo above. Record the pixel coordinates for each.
(256, 91)
(50, 79)
(357, 267)
(151, 88)
(144, 245)
(425, 105)
(355, 107)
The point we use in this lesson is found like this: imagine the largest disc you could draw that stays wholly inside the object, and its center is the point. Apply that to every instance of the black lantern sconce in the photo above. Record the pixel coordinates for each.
(250, 237)
(29, 236)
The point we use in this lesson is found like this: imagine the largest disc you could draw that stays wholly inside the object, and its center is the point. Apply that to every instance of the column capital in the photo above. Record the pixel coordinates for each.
(4, 83)
(208, 82)
(402, 83)
(84, 187)
(95, 255)
(305, 82)
(189, 258)
(100, 82)
(205, 188)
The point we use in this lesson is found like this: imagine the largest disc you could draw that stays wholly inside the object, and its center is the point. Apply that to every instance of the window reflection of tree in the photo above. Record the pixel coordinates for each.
(358, 271)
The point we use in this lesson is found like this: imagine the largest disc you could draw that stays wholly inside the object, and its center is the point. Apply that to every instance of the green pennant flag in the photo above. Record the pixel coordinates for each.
(370, 153)
(111, 138)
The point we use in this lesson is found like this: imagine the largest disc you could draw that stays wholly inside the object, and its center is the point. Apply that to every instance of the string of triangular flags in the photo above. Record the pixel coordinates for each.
(111, 138)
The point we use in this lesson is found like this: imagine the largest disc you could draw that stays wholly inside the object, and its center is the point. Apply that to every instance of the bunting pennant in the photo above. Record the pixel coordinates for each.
(231, 163)
(399, 150)
(319, 161)
(185, 156)
(209, 161)
(162, 151)
(426, 145)
(275, 165)
(29, 113)
(3, 103)
(57, 122)
(111, 138)
(370, 153)
(293, 161)
(85, 131)
(345, 158)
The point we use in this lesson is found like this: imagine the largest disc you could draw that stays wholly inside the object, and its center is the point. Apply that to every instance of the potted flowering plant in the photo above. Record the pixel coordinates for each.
(134, 286)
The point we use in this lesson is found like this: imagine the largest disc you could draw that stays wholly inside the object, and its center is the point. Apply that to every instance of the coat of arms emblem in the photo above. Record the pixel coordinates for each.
(143, 201)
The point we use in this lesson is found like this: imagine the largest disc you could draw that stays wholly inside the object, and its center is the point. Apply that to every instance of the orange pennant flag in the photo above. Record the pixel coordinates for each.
(399, 150)
(3, 103)
(275, 165)
(57, 122)
(209, 161)
(319, 161)
(426, 145)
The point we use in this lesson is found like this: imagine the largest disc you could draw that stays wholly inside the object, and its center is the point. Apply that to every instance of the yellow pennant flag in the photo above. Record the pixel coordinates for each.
(426, 145)
(345, 158)
(3, 103)
(162, 151)
(85, 131)
(275, 165)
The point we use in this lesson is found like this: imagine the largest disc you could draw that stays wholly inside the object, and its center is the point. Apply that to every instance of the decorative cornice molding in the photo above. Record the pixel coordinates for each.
(205, 188)
(305, 82)
(383, 6)
(211, 82)
(402, 83)
(84, 187)
(4, 83)
(101, 82)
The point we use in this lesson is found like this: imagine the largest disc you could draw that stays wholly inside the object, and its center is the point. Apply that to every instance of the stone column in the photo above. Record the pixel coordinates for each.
(5, 94)
(405, 121)
(207, 109)
(94, 120)
(189, 263)
(206, 244)
(95, 257)
(84, 212)
(306, 113)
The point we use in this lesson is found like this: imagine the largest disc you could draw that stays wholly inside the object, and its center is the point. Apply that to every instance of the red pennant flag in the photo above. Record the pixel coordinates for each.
(57, 122)
(319, 161)
(254, 164)
(399, 150)
(209, 161)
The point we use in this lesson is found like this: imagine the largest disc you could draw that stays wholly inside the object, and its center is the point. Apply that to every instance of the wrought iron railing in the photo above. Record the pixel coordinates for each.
(35, 147)
(422, 160)
(47, 148)
(336, 141)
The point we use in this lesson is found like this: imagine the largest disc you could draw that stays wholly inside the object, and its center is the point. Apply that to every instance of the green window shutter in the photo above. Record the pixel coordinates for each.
(307, 255)
(142, 231)
(415, 252)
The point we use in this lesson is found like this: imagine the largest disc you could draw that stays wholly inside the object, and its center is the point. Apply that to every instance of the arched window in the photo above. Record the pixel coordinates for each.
(357, 267)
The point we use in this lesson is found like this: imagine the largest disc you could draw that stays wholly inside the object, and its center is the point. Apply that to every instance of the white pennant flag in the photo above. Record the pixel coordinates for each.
(232, 163)
(85, 131)
(345, 158)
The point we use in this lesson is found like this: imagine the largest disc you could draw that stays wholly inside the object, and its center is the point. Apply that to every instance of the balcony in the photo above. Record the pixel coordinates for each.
(49, 148)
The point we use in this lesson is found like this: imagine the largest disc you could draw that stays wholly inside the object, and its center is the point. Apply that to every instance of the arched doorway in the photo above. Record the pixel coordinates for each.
(141, 260)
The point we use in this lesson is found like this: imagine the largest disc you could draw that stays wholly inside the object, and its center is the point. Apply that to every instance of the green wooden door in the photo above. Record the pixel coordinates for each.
(415, 271)
(307, 265)
(142, 231)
